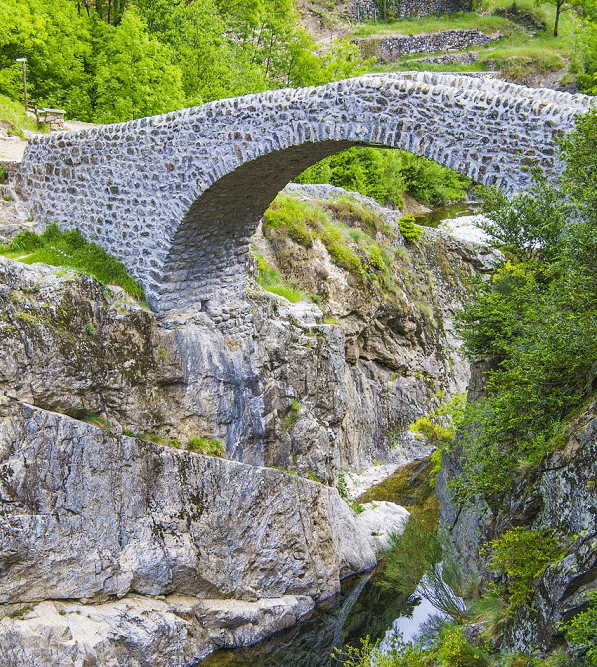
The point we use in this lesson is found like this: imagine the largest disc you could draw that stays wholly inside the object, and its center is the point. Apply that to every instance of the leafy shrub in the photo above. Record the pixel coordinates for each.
(342, 484)
(439, 429)
(582, 631)
(408, 228)
(439, 426)
(536, 321)
(3, 174)
(455, 651)
(522, 555)
(206, 446)
(385, 175)
(375, 258)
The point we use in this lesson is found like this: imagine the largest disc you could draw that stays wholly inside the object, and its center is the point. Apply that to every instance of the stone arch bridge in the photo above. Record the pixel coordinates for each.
(176, 197)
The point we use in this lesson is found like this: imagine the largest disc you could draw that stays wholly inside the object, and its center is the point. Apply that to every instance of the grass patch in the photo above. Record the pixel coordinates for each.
(356, 216)
(337, 246)
(71, 250)
(294, 217)
(149, 437)
(13, 113)
(18, 613)
(96, 420)
(270, 280)
(486, 23)
(207, 446)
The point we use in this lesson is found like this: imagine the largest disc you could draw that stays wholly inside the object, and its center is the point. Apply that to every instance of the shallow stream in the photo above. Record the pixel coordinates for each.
(361, 609)
(437, 215)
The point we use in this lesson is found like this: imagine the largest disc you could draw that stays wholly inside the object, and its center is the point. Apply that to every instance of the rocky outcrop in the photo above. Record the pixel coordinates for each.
(559, 495)
(143, 518)
(91, 516)
(107, 518)
(293, 391)
(174, 631)
(379, 520)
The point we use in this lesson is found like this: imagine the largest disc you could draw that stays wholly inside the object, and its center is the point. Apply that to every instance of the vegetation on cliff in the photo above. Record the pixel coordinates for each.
(70, 250)
(535, 319)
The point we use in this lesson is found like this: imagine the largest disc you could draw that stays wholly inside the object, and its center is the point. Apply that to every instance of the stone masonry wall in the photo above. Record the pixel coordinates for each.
(176, 197)
(389, 49)
(369, 10)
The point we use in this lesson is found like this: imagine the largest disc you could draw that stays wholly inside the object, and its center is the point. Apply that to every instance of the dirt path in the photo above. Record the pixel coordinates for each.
(12, 148)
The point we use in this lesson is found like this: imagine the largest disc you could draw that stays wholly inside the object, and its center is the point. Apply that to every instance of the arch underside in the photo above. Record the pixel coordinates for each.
(207, 261)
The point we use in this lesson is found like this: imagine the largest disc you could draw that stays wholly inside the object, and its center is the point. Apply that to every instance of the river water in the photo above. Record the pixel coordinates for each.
(448, 212)
(361, 609)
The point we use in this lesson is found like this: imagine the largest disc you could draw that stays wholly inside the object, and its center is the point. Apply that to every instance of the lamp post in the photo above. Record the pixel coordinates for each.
(23, 62)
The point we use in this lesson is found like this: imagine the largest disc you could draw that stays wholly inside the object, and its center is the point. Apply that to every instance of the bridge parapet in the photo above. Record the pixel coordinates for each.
(176, 197)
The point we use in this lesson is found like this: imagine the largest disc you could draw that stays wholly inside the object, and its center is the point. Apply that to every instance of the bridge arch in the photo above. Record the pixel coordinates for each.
(176, 197)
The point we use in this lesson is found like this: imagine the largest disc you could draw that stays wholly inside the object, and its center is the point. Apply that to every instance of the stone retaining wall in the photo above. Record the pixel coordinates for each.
(369, 10)
(390, 49)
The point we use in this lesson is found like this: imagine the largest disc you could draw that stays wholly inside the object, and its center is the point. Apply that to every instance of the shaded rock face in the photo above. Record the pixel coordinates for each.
(560, 496)
(203, 553)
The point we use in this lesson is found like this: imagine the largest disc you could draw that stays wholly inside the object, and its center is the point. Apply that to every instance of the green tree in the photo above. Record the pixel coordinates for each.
(55, 41)
(560, 7)
(135, 76)
(211, 66)
(536, 319)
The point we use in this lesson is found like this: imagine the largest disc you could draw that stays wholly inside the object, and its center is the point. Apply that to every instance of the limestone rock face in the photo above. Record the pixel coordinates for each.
(129, 551)
(89, 515)
(170, 631)
(272, 381)
(380, 519)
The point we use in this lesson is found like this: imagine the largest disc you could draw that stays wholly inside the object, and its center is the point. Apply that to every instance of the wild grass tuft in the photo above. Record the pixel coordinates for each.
(270, 280)
(71, 250)
(13, 113)
(207, 446)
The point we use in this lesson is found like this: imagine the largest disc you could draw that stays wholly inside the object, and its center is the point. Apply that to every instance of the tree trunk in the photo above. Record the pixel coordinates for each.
(555, 27)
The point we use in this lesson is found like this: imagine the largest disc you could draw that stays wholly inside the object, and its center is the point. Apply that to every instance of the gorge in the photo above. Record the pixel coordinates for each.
(119, 545)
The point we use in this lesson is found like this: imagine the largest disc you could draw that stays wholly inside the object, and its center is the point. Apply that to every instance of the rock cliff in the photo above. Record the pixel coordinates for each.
(559, 496)
(93, 516)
